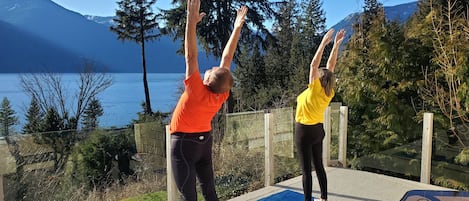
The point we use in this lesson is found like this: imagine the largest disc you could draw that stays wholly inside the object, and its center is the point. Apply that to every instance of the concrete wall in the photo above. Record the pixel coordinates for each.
(150, 142)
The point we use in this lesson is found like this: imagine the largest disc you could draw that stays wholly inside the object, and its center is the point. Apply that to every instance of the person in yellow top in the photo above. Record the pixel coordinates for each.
(310, 108)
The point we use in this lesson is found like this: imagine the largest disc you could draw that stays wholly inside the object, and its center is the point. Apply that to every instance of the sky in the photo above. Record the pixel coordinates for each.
(335, 10)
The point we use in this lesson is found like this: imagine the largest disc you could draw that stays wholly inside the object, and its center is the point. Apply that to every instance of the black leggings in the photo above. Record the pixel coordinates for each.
(191, 157)
(308, 140)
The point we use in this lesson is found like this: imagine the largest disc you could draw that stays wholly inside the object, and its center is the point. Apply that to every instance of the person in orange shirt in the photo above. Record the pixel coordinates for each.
(190, 127)
(310, 108)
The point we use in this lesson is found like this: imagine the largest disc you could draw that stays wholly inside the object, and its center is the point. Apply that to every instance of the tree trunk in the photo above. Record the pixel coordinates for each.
(145, 82)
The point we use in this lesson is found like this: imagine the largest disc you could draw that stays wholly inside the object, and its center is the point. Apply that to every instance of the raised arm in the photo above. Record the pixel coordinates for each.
(339, 37)
(190, 41)
(232, 43)
(314, 71)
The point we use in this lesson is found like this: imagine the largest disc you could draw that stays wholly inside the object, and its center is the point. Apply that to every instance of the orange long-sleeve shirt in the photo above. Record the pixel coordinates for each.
(196, 107)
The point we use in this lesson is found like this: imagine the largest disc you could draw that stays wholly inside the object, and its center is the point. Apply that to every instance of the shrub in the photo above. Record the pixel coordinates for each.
(93, 159)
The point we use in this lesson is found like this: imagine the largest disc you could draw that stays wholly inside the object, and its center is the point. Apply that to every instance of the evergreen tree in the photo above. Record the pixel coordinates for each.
(377, 81)
(91, 114)
(278, 55)
(308, 34)
(442, 28)
(216, 29)
(356, 78)
(7, 117)
(33, 118)
(136, 22)
(250, 80)
(314, 19)
(278, 69)
(395, 87)
(52, 121)
(286, 63)
(57, 135)
(93, 159)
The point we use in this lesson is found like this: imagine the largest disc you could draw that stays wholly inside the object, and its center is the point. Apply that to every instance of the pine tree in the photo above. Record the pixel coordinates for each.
(278, 69)
(217, 24)
(377, 81)
(57, 136)
(52, 121)
(7, 117)
(286, 62)
(306, 38)
(33, 118)
(136, 22)
(250, 79)
(278, 55)
(91, 114)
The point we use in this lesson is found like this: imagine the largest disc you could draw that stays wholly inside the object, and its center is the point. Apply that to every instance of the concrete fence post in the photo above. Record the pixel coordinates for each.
(269, 149)
(170, 183)
(427, 136)
(326, 145)
(343, 123)
(2, 194)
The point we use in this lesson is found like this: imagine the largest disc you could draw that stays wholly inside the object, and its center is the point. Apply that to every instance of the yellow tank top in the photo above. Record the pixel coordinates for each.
(312, 103)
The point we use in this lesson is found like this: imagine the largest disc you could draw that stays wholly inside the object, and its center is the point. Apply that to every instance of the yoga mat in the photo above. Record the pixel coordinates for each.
(284, 196)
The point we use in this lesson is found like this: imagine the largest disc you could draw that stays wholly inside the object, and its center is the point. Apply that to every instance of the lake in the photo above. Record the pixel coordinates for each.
(120, 102)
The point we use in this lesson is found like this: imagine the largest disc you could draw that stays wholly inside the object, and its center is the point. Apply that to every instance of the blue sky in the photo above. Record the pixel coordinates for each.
(335, 10)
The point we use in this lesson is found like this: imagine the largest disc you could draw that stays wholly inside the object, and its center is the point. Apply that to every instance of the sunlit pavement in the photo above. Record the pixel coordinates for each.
(348, 185)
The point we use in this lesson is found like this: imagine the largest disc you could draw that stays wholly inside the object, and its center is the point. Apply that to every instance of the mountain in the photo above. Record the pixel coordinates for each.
(399, 13)
(20, 52)
(39, 34)
(87, 39)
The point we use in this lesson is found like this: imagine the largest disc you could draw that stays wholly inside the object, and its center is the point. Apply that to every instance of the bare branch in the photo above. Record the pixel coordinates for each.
(48, 90)
(91, 84)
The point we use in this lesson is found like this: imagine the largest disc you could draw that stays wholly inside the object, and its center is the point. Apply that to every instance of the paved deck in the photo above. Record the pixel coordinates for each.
(348, 185)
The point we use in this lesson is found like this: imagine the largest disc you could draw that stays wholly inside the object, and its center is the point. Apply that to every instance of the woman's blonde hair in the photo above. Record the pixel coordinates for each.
(327, 79)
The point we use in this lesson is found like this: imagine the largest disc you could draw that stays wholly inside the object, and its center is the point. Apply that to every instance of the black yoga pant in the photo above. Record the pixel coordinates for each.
(191, 157)
(308, 140)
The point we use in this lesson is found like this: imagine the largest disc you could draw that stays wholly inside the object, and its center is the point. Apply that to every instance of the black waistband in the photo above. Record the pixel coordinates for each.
(190, 135)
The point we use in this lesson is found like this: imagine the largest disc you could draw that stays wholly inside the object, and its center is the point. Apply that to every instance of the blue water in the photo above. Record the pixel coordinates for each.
(120, 102)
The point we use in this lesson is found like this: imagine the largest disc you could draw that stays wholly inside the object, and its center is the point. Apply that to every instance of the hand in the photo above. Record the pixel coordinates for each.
(339, 37)
(328, 37)
(240, 16)
(193, 15)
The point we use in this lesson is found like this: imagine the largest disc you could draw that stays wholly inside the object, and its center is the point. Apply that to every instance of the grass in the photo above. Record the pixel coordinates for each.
(155, 196)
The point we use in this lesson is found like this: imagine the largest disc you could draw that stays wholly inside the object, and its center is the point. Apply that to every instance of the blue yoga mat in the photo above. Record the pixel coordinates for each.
(283, 196)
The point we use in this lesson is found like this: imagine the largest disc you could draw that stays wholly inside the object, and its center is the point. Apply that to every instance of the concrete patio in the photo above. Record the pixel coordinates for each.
(348, 185)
